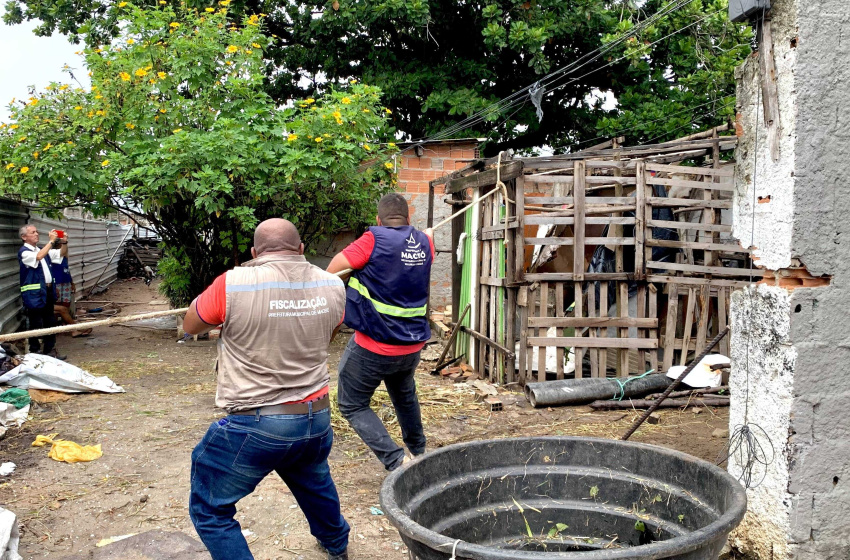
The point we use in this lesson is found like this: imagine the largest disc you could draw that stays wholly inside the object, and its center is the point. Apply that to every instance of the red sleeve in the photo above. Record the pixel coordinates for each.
(433, 251)
(212, 304)
(358, 253)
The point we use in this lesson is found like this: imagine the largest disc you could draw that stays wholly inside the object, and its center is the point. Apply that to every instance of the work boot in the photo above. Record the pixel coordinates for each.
(55, 354)
(342, 556)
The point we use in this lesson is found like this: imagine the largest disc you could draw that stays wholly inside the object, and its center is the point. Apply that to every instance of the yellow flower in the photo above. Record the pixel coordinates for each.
(131, 41)
(63, 87)
(366, 111)
(309, 101)
(209, 10)
(35, 155)
(13, 127)
(228, 62)
(33, 101)
(98, 96)
(318, 138)
(367, 147)
(388, 165)
(391, 144)
(255, 45)
(70, 143)
(162, 2)
(22, 138)
(224, 2)
(162, 75)
(162, 110)
(130, 125)
(125, 76)
(346, 101)
(141, 72)
(104, 163)
(337, 114)
(122, 4)
(91, 114)
(151, 81)
(249, 51)
(100, 112)
(387, 111)
(174, 25)
(232, 49)
(78, 108)
(24, 169)
(49, 145)
(10, 166)
(176, 130)
(290, 138)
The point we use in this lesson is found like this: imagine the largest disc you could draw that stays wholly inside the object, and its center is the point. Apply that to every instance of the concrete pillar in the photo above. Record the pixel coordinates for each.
(791, 344)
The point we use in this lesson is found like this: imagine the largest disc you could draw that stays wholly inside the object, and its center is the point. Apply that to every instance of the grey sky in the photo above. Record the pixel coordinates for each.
(29, 60)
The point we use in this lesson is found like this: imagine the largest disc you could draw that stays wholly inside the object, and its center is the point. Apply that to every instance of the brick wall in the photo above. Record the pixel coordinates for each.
(415, 172)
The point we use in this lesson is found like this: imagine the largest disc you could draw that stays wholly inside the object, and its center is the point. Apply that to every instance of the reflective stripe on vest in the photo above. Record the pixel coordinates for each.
(29, 287)
(384, 308)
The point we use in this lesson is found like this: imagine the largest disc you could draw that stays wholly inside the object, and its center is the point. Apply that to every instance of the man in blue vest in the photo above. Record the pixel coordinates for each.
(37, 290)
(387, 306)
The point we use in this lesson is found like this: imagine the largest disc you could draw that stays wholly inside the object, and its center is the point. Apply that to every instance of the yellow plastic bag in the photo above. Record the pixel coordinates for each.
(68, 451)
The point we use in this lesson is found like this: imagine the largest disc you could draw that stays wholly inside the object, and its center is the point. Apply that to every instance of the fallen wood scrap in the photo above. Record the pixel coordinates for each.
(667, 403)
(691, 392)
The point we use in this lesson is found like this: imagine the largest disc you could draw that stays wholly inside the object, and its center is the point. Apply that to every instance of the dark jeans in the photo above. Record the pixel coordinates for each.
(238, 452)
(43, 318)
(360, 373)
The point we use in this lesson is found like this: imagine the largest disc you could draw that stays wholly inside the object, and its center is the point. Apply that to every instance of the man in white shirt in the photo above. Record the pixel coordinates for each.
(37, 289)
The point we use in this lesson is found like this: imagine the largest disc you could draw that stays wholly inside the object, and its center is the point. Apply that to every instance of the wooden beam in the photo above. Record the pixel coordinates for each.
(509, 170)
(728, 171)
(587, 342)
(597, 322)
(481, 338)
(715, 270)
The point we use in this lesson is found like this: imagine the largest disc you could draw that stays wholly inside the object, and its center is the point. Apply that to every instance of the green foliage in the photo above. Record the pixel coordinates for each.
(178, 127)
(440, 61)
(176, 282)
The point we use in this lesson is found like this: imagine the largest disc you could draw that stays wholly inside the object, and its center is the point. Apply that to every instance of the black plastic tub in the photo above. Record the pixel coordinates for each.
(562, 497)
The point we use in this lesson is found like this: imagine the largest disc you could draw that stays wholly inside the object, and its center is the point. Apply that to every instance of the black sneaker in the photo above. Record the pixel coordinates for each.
(55, 354)
(342, 556)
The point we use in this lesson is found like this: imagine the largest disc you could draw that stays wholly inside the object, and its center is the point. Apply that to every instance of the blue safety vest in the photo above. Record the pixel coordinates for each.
(387, 300)
(61, 273)
(33, 286)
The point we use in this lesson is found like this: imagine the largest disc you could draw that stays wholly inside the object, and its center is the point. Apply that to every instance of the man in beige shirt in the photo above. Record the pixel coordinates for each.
(278, 315)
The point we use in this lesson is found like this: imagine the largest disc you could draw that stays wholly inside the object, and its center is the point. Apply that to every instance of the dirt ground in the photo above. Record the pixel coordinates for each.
(147, 434)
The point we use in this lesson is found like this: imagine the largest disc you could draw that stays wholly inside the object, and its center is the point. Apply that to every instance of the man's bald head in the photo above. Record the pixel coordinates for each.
(277, 235)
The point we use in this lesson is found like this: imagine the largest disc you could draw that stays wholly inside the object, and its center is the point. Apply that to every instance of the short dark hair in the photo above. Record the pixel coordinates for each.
(393, 206)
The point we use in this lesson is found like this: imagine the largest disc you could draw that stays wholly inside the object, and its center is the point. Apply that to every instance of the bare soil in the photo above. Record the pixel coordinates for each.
(147, 434)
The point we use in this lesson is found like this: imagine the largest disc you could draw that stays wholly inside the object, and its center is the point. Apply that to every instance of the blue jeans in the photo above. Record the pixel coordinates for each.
(360, 374)
(238, 452)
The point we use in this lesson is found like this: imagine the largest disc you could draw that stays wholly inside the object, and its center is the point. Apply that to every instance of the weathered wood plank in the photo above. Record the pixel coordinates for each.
(579, 170)
(726, 187)
(559, 313)
(670, 332)
(509, 170)
(672, 224)
(622, 200)
(567, 276)
(544, 219)
(541, 351)
(715, 270)
(591, 321)
(600, 342)
(689, 323)
(493, 281)
(696, 245)
(673, 202)
(721, 172)
(587, 241)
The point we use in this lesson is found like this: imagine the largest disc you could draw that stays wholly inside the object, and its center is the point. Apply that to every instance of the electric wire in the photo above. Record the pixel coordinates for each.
(745, 448)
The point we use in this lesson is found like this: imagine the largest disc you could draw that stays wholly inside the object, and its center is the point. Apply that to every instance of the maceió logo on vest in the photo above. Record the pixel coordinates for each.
(298, 307)
(413, 254)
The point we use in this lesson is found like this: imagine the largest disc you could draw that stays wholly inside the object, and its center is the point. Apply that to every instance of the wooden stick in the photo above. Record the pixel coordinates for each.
(692, 392)
(38, 333)
(668, 403)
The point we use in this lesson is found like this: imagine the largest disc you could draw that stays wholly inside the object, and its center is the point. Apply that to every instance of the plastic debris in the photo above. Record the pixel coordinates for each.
(704, 373)
(38, 371)
(7, 468)
(19, 398)
(11, 416)
(10, 536)
(110, 540)
(68, 451)
(375, 511)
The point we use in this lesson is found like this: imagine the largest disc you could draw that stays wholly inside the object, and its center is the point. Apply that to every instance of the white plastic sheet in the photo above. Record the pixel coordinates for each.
(11, 416)
(38, 371)
(703, 373)
(10, 536)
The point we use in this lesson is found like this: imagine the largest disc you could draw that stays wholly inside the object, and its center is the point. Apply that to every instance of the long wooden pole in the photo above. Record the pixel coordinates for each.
(105, 322)
(130, 318)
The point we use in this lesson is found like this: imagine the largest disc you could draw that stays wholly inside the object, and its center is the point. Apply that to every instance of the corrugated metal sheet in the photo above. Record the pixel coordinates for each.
(91, 245)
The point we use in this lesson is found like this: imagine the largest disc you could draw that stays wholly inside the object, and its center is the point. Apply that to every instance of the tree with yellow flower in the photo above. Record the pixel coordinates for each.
(170, 131)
